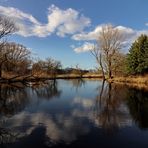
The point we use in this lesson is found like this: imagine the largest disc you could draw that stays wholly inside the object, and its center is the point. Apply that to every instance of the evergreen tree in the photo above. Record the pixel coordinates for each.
(137, 59)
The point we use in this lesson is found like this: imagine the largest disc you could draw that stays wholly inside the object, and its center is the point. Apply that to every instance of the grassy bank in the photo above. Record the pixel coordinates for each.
(137, 80)
(28, 78)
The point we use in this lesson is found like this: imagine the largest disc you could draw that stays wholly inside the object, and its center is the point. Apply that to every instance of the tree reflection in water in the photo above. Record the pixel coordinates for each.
(77, 83)
(110, 110)
(13, 99)
(47, 89)
(137, 102)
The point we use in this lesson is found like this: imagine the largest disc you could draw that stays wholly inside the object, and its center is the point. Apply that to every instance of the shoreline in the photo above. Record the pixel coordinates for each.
(24, 79)
(139, 82)
(131, 80)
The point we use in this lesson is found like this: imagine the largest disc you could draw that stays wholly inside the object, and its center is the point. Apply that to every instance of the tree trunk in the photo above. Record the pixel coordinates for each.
(103, 74)
(109, 69)
(110, 74)
(0, 70)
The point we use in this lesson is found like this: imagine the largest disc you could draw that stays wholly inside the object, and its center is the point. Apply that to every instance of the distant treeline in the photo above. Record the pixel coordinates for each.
(16, 61)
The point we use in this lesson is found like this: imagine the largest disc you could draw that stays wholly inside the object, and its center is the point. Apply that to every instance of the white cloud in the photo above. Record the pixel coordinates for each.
(129, 33)
(124, 29)
(86, 103)
(26, 23)
(93, 35)
(66, 21)
(85, 47)
(61, 22)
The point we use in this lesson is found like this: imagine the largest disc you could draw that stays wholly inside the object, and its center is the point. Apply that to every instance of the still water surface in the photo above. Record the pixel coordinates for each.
(73, 113)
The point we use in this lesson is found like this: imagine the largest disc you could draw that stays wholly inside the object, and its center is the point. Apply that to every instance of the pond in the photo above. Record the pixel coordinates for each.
(73, 113)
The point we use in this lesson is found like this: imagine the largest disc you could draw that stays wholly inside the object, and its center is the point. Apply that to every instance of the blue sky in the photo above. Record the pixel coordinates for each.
(65, 29)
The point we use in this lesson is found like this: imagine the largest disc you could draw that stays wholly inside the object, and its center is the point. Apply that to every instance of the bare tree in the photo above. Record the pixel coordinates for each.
(109, 43)
(39, 68)
(48, 66)
(14, 58)
(7, 26)
(53, 66)
(98, 56)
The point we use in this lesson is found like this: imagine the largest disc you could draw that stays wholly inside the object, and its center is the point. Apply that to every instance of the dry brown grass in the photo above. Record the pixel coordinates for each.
(140, 82)
(9, 75)
(132, 79)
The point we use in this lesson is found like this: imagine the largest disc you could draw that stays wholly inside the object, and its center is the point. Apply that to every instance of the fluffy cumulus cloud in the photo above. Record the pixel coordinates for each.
(66, 21)
(85, 47)
(61, 22)
(129, 33)
(93, 35)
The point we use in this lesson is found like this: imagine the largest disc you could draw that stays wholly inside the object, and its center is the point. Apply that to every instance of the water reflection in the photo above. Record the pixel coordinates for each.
(15, 98)
(47, 89)
(137, 102)
(60, 112)
(110, 110)
(77, 83)
(12, 99)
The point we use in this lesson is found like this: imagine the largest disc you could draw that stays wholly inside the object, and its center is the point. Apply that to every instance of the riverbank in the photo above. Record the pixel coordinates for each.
(47, 77)
(140, 82)
(131, 79)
